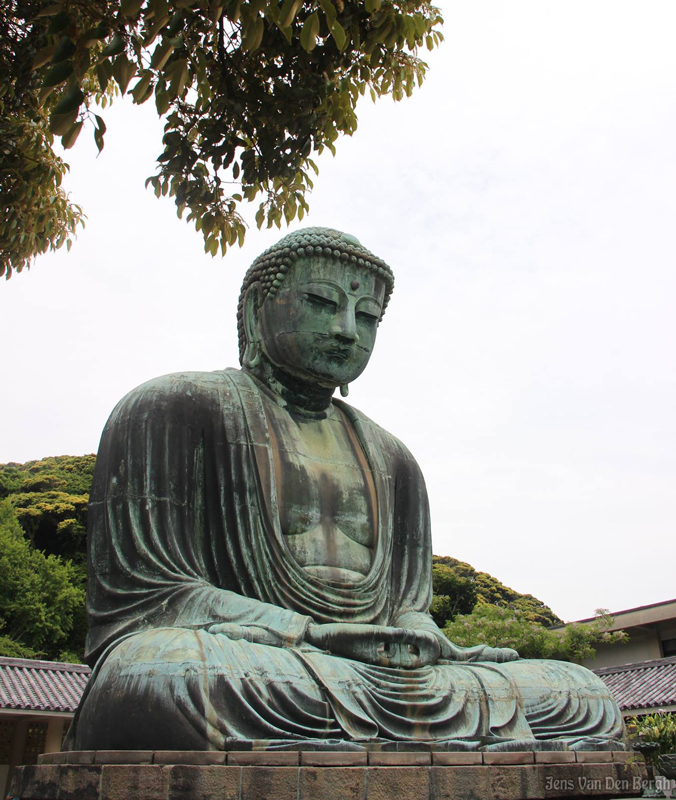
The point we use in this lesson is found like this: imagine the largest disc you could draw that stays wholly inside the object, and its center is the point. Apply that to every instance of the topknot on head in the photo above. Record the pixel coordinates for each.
(270, 268)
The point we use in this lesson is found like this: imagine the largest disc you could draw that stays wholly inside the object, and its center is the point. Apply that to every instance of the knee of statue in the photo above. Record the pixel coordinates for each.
(260, 551)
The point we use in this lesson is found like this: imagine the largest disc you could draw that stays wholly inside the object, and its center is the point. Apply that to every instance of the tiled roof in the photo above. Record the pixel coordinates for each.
(648, 684)
(41, 685)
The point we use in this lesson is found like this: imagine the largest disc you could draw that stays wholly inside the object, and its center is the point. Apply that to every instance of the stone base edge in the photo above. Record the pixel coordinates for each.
(294, 758)
(255, 782)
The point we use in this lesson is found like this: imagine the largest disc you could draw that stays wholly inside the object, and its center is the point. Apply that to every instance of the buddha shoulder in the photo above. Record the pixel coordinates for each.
(179, 395)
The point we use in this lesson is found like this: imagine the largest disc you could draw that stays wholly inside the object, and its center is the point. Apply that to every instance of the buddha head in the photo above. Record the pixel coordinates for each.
(310, 307)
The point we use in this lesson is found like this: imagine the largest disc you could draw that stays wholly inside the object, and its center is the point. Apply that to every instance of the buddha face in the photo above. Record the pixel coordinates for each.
(321, 325)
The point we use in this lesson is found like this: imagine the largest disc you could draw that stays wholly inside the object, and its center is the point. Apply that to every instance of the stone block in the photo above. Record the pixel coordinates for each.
(599, 779)
(458, 783)
(125, 781)
(622, 756)
(264, 758)
(560, 780)
(321, 758)
(332, 783)
(39, 782)
(387, 783)
(123, 757)
(192, 782)
(52, 758)
(514, 782)
(195, 757)
(554, 757)
(270, 783)
(81, 757)
(507, 757)
(459, 759)
(79, 782)
(395, 759)
(593, 756)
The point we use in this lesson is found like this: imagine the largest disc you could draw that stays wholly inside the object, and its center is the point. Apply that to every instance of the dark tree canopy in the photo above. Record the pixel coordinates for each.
(249, 90)
(465, 587)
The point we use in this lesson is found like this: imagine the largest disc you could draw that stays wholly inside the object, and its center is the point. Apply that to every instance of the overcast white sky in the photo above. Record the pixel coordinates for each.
(525, 198)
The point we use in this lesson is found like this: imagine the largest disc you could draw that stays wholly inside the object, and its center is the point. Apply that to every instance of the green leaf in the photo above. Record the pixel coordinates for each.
(339, 35)
(64, 49)
(179, 77)
(123, 71)
(114, 47)
(71, 100)
(58, 74)
(50, 10)
(59, 22)
(43, 56)
(69, 139)
(161, 54)
(159, 7)
(329, 10)
(128, 8)
(253, 34)
(308, 35)
(162, 102)
(260, 216)
(143, 89)
(288, 12)
(104, 73)
(62, 123)
(98, 139)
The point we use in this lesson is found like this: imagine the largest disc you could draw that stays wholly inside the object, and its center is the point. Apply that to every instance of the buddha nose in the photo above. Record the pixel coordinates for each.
(346, 330)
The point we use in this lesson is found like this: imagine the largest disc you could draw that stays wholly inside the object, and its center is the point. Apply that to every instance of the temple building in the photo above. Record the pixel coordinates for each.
(37, 702)
(641, 673)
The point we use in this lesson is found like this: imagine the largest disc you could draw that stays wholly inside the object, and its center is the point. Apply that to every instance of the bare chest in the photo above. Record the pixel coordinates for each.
(326, 494)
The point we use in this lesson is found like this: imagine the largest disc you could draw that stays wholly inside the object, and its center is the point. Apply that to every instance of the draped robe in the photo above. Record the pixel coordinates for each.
(185, 533)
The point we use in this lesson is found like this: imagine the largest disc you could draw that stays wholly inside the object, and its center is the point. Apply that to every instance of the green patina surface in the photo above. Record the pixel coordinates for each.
(260, 554)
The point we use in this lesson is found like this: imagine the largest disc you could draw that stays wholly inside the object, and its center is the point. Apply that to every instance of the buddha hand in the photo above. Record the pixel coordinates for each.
(481, 652)
(376, 644)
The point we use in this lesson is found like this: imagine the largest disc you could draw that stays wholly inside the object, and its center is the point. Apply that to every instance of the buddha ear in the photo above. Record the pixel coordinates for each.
(252, 304)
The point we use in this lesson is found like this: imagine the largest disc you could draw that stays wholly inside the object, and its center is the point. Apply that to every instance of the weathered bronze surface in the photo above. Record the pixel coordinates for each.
(260, 555)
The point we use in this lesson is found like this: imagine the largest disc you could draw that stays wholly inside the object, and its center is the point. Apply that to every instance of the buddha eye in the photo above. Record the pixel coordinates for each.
(320, 301)
(368, 318)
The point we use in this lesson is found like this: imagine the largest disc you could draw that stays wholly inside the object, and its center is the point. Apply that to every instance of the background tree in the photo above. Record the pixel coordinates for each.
(42, 611)
(249, 90)
(458, 588)
(500, 626)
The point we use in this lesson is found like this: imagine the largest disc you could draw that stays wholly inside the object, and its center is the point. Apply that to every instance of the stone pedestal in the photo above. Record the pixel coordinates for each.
(293, 775)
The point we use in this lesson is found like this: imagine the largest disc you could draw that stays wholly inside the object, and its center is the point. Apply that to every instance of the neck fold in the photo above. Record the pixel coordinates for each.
(296, 394)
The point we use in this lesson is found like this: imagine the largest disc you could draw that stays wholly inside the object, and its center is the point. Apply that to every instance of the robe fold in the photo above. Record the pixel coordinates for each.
(184, 534)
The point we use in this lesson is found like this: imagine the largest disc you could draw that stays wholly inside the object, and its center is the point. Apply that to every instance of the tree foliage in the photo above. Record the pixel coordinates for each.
(41, 598)
(248, 89)
(50, 501)
(658, 728)
(458, 588)
(500, 626)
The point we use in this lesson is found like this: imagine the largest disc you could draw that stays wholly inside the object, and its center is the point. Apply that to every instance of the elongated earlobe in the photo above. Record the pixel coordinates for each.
(252, 351)
(344, 390)
(252, 356)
